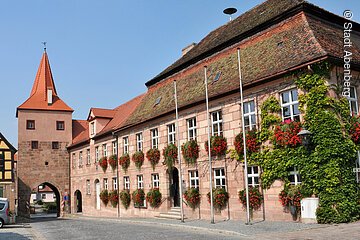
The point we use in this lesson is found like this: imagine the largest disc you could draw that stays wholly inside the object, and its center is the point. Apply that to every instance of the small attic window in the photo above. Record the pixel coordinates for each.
(217, 76)
(157, 101)
(280, 44)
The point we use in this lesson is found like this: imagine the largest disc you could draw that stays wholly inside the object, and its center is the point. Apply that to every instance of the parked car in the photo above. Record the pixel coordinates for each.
(4, 212)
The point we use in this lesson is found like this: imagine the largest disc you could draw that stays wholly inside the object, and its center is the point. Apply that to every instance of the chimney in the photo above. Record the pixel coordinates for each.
(187, 48)
(49, 96)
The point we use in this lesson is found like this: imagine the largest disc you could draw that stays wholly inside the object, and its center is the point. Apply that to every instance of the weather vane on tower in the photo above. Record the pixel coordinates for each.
(44, 43)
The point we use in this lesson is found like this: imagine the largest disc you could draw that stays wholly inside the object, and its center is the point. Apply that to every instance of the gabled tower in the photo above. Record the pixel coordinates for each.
(44, 132)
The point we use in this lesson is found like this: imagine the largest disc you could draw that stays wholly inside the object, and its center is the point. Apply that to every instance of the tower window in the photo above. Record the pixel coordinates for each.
(60, 125)
(34, 144)
(30, 124)
(55, 145)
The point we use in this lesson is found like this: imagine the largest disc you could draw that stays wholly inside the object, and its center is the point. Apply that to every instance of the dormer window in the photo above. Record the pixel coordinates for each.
(92, 128)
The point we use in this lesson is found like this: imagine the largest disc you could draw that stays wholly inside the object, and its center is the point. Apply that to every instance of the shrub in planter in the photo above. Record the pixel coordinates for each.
(138, 197)
(104, 196)
(285, 134)
(190, 151)
(124, 161)
(125, 198)
(113, 162)
(170, 154)
(192, 197)
(138, 159)
(218, 146)
(114, 198)
(255, 198)
(290, 197)
(252, 143)
(103, 163)
(220, 198)
(153, 155)
(153, 197)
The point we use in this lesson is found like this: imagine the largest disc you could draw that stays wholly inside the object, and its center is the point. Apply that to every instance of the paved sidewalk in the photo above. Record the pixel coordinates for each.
(259, 230)
(17, 232)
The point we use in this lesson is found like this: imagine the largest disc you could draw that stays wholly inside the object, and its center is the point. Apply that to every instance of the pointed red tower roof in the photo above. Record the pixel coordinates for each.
(43, 95)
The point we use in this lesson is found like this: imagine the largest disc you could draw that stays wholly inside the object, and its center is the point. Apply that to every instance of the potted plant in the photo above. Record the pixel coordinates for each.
(220, 198)
(138, 159)
(113, 162)
(153, 197)
(291, 197)
(170, 154)
(104, 196)
(153, 155)
(114, 198)
(255, 198)
(138, 197)
(190, 151)
(124, 161)
(285, 134)
(218, 146)
(103, 163)
(252, 143)
(192, 197)
(125, 198)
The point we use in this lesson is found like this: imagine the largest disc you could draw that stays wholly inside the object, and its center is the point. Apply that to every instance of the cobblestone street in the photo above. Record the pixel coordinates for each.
(91, 228)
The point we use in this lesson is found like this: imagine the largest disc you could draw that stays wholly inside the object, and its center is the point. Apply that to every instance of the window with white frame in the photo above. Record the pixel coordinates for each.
(88, 186)
(139, 142)
(140, 182)
(216, 123)
(219, 178)
(73, 160)
(106, 184)
(194, 179)
(80, 158)
(249, 115)
(126, 145)
(104, 148)
(191, 125)
(171, 133)
(114, 148)
(92, 127)
(253, 176)
(88, 159)
(353, 101)
(114, 183)
(97, 154)
(290, 105)
(154, 138)
(294, 176)
(357, 165)
(155, 180)
(127, 182)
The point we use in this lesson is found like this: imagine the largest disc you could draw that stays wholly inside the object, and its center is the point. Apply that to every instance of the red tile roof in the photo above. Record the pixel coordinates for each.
(38, 96)
(80, 131)
(119, 115)
(101, 113)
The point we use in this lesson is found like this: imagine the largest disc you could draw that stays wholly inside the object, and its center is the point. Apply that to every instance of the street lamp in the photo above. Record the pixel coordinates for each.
(305, 136)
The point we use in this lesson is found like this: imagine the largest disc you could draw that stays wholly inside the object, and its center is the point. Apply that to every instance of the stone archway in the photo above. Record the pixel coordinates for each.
(53, 199)
(78, 201)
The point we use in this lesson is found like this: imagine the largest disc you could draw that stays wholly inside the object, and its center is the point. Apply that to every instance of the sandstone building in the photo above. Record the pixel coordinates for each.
(276, 39)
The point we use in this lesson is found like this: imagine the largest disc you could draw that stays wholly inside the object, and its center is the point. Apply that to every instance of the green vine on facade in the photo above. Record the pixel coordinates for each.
(326, 169)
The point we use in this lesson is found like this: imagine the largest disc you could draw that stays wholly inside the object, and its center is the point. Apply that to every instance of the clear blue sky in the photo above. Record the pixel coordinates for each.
(101, 51)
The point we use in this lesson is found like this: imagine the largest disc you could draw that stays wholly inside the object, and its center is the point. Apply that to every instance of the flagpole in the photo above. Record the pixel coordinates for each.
(244, 142)
(179, 153)
(209, 145)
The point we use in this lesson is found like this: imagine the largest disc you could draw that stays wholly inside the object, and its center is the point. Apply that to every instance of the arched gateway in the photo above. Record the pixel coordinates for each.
(44, 132)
